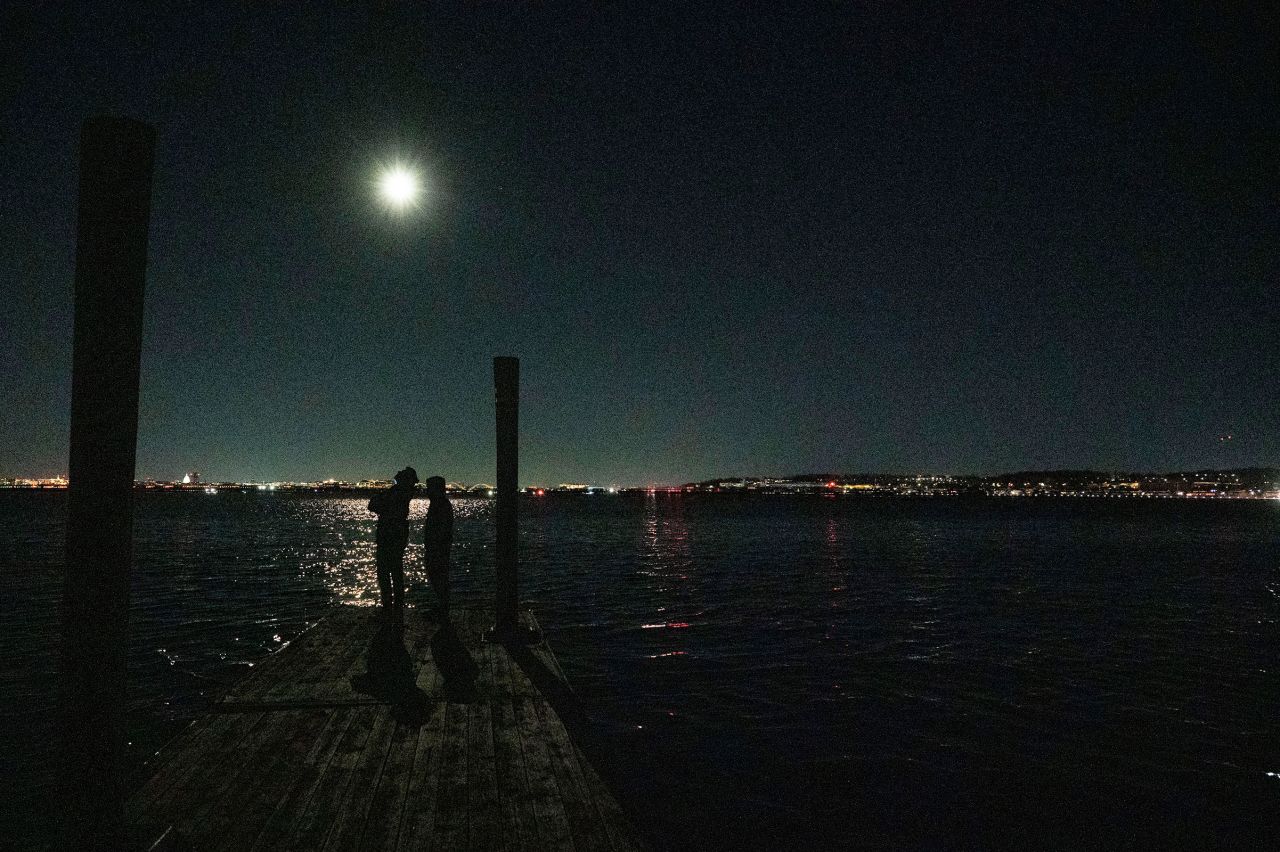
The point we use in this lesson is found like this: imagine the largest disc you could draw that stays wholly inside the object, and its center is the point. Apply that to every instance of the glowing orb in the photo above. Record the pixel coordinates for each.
(398, 187)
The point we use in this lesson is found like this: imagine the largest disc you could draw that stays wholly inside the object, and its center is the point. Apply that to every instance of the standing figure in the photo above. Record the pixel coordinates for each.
(392, 508)
(437, 536)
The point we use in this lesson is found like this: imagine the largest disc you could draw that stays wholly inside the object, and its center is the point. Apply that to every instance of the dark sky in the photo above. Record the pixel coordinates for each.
(722, 241)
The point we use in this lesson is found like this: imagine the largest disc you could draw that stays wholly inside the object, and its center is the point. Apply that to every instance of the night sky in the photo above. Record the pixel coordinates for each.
(723, 241)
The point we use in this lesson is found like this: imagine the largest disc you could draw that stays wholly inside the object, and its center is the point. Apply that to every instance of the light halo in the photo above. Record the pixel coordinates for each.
(399, 186)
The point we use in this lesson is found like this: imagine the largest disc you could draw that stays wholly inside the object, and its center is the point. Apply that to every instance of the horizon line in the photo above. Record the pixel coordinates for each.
(63, 477)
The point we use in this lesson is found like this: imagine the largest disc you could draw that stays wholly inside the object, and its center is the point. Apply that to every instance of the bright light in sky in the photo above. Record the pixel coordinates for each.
(399, 187)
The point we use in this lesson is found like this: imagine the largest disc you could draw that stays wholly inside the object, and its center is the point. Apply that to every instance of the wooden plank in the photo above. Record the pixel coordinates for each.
(469, 628)
(333, 680)
(212, 797)
(336, 685)
(512, 782)
(180, 758)
(273, 706)
(543, 651)
(353, 812)
(500, 662)
(293, 758)
(602, 820)
(418, 821)
(159, 802)
(268, 772)
(427, 678)
(315, 643)
(622, 834)
(521, 685)
(284, 666)
(386, 805)
(450, 830)
(312, 825)
(486, 826)
(483, 654)
(275, 827)
(544, 793)
(344, 639)
(578, 776)
(583, 816)
(416, 635)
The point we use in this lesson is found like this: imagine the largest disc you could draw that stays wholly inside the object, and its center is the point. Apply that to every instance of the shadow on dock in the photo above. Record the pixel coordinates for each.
(551, 684)
(458, 670)
(390, 676)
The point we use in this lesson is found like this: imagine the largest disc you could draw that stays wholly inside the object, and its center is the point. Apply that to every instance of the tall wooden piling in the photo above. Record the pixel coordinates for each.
(506, 383)
(116, 158)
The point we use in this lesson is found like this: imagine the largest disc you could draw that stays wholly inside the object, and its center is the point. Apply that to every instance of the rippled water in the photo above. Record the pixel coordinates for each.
(774, 672)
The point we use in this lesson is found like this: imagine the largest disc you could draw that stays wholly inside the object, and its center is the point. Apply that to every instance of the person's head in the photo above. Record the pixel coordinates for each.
(435, 486)
(407, 478)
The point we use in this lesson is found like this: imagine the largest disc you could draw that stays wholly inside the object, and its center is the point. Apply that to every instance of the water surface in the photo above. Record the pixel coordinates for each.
(771, 671)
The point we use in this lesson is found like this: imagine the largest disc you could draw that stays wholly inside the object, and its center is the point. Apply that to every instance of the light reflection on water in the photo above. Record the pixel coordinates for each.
(341, 551)
(893, 670)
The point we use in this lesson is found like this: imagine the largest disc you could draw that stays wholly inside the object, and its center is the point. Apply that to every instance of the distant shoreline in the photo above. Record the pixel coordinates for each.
(814, 494)
(1245, 483)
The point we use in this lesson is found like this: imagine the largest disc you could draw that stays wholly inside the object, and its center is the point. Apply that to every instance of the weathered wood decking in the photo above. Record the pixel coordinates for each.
(348, 739)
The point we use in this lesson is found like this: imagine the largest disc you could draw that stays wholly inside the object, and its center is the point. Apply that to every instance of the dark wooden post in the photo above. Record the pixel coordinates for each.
(116, 157)
(506, 384)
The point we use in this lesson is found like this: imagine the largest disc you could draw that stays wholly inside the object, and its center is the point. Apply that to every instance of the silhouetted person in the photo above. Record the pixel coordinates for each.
(392, 509)
(437, 535)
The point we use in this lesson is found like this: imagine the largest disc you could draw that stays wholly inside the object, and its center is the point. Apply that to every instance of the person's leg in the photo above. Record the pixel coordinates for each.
(433, 579)
(397, 583)
(384, 577)
(444, 585)
(438, 580)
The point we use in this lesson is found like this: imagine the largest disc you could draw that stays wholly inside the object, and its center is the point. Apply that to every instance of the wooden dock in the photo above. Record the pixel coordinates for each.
(353, 737)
